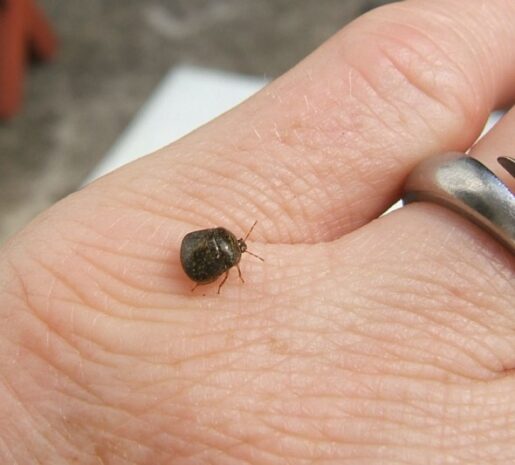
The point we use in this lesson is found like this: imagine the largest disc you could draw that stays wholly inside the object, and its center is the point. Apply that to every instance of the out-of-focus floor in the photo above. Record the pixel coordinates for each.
(112, 55)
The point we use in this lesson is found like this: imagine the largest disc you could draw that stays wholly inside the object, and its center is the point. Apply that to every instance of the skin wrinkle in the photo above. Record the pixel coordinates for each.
(12, 427)
(85, 305)
(375, 110)
(153, 252)
(438, 335)
(167, 452)
(146, 206)
(123, 278)
(81, 297)
(488, 309)
(256, 447)
(58, 369)
(409, 368)
(254, 452)
(315, 132)
(334, 190)
(332, 361)
(440, 14)
(121, 218)
(500, 17)
(416, 421)
(444, 57)
(245, 192)
(475, 239)
(159, 267)
(128, 295)
(410, 284)
(203, 381)
(451, 250)
(270, 368)
(500, 274)
(226, 178)
(401, 407)
(350, 331)
(462, 293)
(125, 427)
(99, 287)
(296, 443)
(150, 200)
(78, 338)
(266, 383)
(29, 415)
(402, 69)
(358, 171)
(426, 298)
(485, 433)
(84, 297)
(109, 444)
(410, 289)
(425, 315)
(138, 442)
(140, 201)
(204, 436)
(67, 440)
(246, 186)
(432, 373)
(212, 178)
(336, 437)
(479, 351)
(478, 62)
(392, 102)
(5, 452)
(325, 436)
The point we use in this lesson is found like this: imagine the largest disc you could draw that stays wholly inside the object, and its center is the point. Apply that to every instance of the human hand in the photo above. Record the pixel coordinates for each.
(358, 341)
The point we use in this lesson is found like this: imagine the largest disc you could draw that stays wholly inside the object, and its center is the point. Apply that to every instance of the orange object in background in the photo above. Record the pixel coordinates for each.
(24, 31)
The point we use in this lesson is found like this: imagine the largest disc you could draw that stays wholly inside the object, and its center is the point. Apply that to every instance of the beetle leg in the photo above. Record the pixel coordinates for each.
(194, 287)
(223, 281)
(239, 274)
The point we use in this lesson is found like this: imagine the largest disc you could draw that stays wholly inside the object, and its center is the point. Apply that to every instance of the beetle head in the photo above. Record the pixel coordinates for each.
(242, 246)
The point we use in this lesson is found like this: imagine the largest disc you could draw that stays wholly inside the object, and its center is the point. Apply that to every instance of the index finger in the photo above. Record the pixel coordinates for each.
(325, 148)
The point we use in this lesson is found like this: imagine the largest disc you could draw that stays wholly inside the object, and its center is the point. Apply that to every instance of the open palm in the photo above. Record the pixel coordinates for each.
(358, 340)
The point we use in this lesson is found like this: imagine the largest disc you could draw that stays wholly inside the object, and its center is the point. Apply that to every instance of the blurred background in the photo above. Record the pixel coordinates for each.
(112, 55)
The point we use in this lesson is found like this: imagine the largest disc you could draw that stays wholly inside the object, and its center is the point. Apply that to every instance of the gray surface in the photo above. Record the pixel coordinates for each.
(112, 55)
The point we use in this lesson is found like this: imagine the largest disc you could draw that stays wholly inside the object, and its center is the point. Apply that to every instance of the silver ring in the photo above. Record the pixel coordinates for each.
(463, 184)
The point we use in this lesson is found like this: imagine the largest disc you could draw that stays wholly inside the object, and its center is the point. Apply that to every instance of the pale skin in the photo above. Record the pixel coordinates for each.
(357, 341)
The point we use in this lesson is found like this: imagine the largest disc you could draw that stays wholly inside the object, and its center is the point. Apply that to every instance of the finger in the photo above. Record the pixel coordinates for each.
(325, 148)
(500, 141)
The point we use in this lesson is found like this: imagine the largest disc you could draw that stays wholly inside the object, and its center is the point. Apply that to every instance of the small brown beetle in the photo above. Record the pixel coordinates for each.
(208, 253)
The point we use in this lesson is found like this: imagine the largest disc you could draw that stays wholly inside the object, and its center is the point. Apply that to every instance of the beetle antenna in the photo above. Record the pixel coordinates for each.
(250, 230)
(254, 255)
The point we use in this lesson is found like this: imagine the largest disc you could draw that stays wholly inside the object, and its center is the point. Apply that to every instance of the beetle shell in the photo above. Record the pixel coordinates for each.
(208, 253)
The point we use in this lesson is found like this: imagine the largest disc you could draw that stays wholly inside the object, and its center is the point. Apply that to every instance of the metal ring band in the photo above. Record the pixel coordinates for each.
(463, 184)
